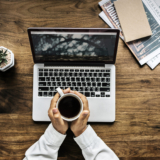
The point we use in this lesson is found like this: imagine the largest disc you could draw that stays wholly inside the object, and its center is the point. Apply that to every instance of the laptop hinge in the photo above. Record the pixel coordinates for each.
(47, 64)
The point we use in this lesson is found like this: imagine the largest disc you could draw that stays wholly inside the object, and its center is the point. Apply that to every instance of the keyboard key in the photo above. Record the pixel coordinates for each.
(82, 79)
(79, 84)
(105, 89)
(40, 69)
(45, 73)
(66, 70)
(100, 74)
(91, 89)
(92, 94)
(70, 74)
(65, 74)
(102, 70)
(90, 74)
(71, 70)
(57, 78)
(53, 84)
(73, 83)
(97, 79)
(63, 83)
(97, 70)
(52, 78)
(107, 70)
(96, 89)
(85, 74)
(58, 84)
(80, 74)
(87, 79)
(42, 83)
(81, 70)
(94, 84)
(95, 74)
(80, 89)
(43, 88)
(50, 69)
(78, 79)
(55, 74)
(86, 70)
(97, 95)
(106, 74)
(40, 73)
(76, 70)
(92, 79)
(62, 78)
(54, 93)
(48, 83)
(89, 84)
(72, 88)
(99, 84)
(83, 84)
(60, 74)
(102, 94)
(91, 70)
(87, 94)
(45, 94)
(61, 70)
(86, 88)
(45, 69)
(107, 95)
(40, 94)
(76, 88)
(47, 78)
(55, 70)
(107, 79)
(50, 94)
(81, 92)
(50, 74)
(68, 84)
(51, 88)
(67, 79)
(105, 84)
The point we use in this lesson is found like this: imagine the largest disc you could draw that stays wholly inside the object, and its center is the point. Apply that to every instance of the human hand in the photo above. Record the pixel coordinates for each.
(58, 123)
(79, 125)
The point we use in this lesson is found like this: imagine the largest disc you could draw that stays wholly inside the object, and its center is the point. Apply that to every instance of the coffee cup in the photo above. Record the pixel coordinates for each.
(69, 105)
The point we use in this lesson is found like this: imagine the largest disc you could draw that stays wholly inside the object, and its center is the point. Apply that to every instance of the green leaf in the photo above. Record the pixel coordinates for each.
(5, 61)
(1, 51)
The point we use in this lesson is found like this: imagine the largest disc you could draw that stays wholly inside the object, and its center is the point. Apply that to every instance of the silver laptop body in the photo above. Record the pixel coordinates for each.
(80, 58)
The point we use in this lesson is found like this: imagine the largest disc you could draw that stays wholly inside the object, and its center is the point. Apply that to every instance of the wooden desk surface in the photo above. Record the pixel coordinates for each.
(135, 135)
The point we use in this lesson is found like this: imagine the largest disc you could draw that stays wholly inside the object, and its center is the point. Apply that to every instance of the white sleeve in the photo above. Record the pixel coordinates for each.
(93, 148)
(46, 148)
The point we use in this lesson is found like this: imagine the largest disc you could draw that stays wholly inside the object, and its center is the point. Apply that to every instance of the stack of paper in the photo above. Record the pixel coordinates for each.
(146, 50)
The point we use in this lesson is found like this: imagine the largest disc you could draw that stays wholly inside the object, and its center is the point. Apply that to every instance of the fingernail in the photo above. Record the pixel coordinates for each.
(55, 110)
(71, 91)
(85, 112)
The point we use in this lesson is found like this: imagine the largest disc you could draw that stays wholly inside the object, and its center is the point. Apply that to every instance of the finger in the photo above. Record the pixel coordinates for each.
(54, 101)
(84, 115)
(56, 114)
(66, 90)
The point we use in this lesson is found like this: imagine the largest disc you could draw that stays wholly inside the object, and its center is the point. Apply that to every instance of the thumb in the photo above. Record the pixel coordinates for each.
(83, 115)
(56, 113)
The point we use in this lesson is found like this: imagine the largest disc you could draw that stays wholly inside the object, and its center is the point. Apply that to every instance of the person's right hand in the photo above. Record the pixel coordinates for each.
(79, 125)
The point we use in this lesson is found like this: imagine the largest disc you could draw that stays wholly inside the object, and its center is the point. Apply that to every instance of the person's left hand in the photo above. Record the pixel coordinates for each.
(58, 123)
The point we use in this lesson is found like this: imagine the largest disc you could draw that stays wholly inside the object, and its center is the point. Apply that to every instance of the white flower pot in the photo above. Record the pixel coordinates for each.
(11, 64)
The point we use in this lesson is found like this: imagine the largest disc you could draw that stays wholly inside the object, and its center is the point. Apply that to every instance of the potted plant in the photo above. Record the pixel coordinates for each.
(6, 59)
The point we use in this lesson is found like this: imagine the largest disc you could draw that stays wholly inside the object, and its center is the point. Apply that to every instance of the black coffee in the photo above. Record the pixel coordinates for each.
(69, 107)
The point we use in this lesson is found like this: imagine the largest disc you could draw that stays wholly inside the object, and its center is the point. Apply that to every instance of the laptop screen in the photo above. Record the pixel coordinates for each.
(73, 46)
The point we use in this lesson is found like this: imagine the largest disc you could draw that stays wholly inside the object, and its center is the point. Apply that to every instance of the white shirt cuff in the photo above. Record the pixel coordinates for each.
(86, 138)
(54, 137)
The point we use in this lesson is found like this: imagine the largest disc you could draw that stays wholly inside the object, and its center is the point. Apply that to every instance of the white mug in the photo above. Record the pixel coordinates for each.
(62, 95)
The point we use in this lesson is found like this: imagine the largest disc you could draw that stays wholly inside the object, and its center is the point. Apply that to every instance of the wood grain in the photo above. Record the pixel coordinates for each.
(135, 135)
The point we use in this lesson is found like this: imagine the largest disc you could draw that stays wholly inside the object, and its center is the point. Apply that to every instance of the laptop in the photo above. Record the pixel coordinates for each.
(80, 58)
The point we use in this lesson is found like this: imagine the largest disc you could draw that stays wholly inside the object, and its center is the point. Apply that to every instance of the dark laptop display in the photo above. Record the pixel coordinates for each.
(51, 46)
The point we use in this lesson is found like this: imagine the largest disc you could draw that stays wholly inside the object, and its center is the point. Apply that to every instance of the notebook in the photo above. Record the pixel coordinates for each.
(133, 19)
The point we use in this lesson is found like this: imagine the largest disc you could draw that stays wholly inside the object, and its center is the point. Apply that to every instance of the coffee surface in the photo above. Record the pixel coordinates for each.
(69, 107)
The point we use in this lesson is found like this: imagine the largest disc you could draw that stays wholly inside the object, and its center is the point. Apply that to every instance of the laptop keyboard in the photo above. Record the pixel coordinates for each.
(90, 82)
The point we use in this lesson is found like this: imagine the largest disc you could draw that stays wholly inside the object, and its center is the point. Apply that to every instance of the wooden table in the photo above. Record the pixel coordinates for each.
(135, 135)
